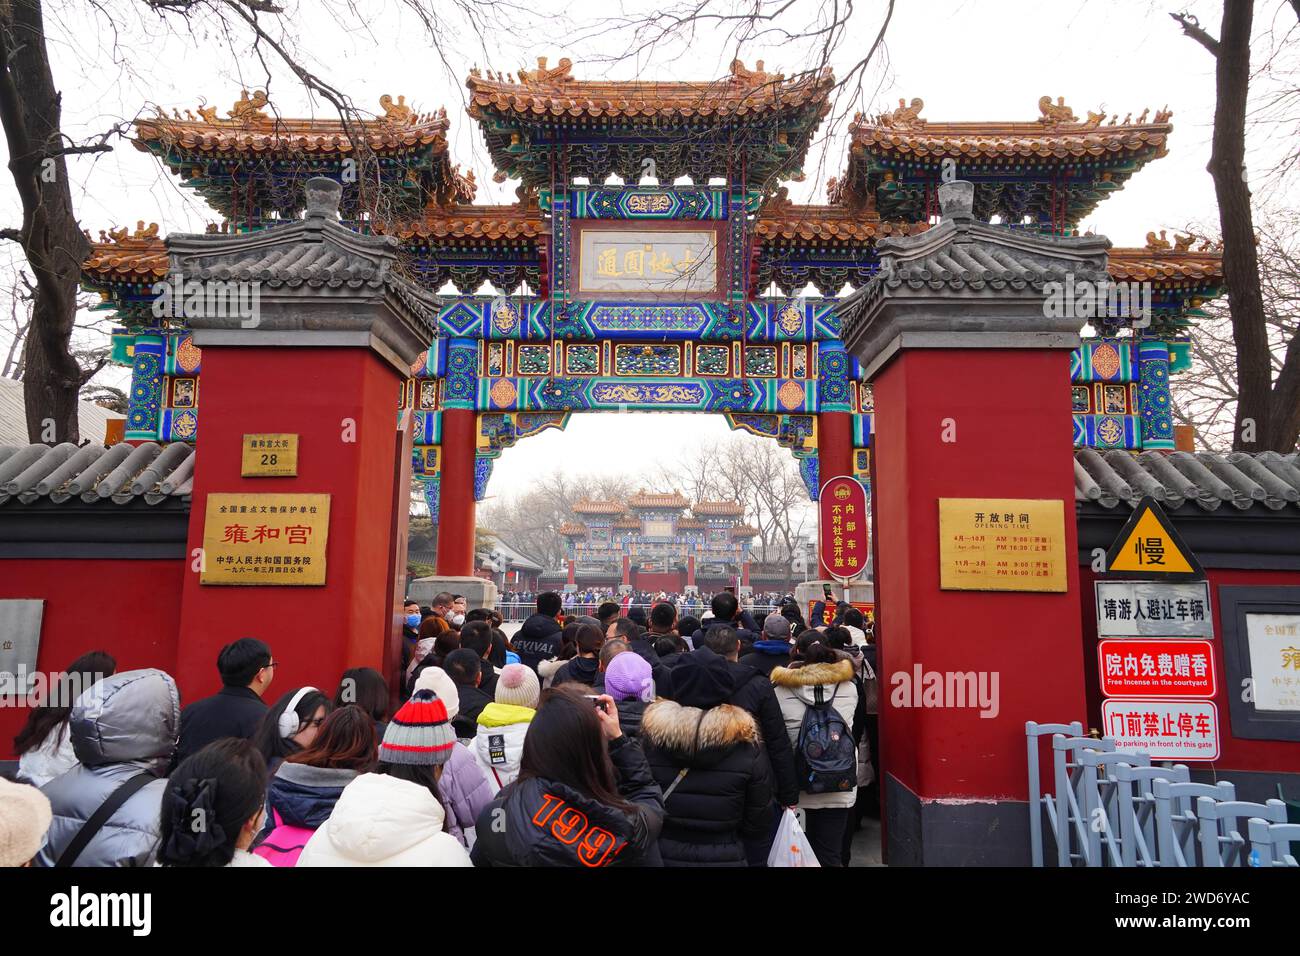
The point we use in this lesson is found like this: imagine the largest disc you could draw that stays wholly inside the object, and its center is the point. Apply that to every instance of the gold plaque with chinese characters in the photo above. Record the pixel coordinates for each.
(1002, 544)
(265, 539)
(269, 456)
(654, 262)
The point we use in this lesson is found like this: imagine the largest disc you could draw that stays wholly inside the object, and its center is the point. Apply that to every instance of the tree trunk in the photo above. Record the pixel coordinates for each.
(31, 113)
(1253, 430)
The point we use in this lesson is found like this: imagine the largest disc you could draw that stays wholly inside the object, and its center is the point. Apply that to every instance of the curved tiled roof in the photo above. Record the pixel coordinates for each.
(470, 222)
(1210, 479)
(1160, 265)
(978, 265)
(146, 259)
(554, 93)
(689, 523)
(572, 528)
(658, 499)
(121, 473)
(588, 507)
(629, 523)
(139, 259)
(254, 131)
(744, 531)
(789, 221)
(718, 508)
(1057, 134)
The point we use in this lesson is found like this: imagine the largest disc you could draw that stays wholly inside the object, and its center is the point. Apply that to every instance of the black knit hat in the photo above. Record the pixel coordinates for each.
(702, 679)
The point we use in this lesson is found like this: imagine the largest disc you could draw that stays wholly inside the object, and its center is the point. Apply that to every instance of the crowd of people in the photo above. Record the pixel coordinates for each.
(646, 738)
(517, 604)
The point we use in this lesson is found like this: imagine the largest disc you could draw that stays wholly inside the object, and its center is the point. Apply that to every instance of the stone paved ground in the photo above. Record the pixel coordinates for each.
(866, 845)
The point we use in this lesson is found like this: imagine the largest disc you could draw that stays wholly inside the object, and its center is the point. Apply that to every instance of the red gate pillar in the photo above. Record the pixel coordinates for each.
(456, 506)
(572, 579)
(297, 361)
(834, 445)
(690, 570)
(972, 400)
(627, 570)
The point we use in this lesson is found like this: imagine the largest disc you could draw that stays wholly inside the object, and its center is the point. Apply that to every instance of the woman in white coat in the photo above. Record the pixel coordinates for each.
(393, 817)
(817, 672)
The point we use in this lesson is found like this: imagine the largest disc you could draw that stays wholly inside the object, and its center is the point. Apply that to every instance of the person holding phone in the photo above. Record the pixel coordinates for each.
(584, 795)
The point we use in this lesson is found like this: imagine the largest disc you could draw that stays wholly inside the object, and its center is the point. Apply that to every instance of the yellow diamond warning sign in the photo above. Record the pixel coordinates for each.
(1148, 546)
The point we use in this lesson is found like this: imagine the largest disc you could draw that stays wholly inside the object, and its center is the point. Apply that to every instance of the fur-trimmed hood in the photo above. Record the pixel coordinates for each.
(812, 674)
(689, 731)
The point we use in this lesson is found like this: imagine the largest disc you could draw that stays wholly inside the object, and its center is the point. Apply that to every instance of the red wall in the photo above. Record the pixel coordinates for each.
(1007, 408)
(129, 608)
(316, 632)
(650, 581)
(1235, 754)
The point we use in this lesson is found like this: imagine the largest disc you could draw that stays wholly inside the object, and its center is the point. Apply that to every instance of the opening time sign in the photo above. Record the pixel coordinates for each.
(1002, 544)
(265, 539)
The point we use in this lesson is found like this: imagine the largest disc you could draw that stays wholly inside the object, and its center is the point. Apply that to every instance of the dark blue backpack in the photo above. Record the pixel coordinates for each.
(825, 755)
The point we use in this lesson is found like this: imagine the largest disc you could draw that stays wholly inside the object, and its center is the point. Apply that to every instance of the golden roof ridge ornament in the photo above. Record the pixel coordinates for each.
(754, 77)
(1055, 114)
(561, 73)
(1157, 243)
(398, 114)
(907, 116)
(123, 233)
(248, 109)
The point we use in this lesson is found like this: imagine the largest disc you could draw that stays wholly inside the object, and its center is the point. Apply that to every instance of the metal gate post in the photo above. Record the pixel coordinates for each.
(1033, 731)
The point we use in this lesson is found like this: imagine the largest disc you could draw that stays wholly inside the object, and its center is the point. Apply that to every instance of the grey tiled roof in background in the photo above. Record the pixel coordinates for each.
(1210, 479)
(122, 473)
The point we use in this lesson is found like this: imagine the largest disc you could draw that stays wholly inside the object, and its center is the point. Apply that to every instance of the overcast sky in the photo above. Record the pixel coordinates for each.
(967, 59)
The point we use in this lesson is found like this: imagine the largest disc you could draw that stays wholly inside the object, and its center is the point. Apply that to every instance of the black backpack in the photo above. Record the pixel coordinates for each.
(825, 755)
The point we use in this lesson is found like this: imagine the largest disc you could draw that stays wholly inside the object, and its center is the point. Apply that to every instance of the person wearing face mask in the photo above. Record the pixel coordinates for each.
(442, 602)
(411, 618)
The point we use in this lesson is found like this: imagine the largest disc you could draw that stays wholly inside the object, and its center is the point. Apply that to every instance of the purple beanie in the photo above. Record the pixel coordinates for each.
(628, 676)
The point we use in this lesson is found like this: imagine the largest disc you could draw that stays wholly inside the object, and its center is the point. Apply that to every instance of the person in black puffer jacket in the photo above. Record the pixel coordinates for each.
(705, 755)
(538, 638)
(772, 650)
(584, 795)
(584, 666)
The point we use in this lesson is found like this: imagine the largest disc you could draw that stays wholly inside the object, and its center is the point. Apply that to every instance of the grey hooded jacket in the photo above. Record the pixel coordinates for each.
(121, 726)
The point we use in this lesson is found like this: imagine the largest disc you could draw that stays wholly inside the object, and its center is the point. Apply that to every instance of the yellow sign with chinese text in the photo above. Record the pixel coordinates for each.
(269, 456)
(1002, 544)
(1148, 545)
(255, 539)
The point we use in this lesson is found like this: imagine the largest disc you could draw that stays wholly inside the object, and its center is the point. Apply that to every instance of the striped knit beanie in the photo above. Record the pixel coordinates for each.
(419, 733)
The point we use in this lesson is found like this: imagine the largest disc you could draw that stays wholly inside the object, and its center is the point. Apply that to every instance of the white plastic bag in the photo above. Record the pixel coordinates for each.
(791, 847)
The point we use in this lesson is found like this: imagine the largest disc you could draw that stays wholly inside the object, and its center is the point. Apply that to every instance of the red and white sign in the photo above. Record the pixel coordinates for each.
(1157, 668)
(1165, 729)
(843, 542)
